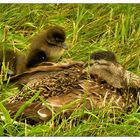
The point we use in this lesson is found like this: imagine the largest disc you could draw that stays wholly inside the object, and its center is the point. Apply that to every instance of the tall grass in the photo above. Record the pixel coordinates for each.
(89, 27)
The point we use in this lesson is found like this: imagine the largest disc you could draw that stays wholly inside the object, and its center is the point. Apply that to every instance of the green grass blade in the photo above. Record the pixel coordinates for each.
(26, 104)
(5, 113)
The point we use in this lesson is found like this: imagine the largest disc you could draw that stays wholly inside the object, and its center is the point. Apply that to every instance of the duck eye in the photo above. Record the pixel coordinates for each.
(96, 62)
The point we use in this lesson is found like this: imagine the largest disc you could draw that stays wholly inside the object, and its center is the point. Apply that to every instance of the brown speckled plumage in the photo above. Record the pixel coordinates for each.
(52, 83)
(61, 84)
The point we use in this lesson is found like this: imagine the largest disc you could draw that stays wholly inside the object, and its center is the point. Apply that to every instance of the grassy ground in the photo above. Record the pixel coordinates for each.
(89, 27)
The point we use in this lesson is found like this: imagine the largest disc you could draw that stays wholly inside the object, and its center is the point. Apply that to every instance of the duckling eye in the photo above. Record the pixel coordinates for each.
(43, 57)
(58, 39)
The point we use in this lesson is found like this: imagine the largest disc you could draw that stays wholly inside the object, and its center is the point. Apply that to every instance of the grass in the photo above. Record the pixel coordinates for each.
(89, 27)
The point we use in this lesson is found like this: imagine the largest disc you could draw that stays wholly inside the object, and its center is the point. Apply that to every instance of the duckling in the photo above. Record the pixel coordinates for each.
(49, 45)
(105, 66)
(8, 57)
(12, 60)
(60, 85)
(46, 46)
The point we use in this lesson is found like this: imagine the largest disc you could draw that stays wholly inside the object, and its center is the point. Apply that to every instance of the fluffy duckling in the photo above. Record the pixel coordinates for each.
(9, 59)
(49, 45)
(105, 66)
(12, 60)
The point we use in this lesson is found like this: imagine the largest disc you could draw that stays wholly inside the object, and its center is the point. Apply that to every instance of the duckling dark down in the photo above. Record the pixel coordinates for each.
(61, 84)
(11, 60)
(48, 45)
(105, 65)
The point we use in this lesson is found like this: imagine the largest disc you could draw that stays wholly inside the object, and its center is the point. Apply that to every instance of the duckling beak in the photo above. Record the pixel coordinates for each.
(65, 46)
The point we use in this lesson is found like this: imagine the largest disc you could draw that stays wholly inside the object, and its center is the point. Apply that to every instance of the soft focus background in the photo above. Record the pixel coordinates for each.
(89, 27)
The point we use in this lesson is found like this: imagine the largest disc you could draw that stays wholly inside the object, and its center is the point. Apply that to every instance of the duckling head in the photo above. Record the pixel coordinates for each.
(106, 55)
(49, 45)
(105, 66)
(55, 38)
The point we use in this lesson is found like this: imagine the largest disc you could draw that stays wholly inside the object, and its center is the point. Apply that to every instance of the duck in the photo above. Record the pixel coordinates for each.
(54, 87)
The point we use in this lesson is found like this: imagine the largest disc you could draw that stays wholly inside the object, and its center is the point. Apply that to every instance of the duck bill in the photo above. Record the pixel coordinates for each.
(65, 46)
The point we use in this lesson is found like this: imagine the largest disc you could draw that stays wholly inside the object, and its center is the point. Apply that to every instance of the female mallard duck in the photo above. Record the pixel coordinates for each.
(69, 85)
